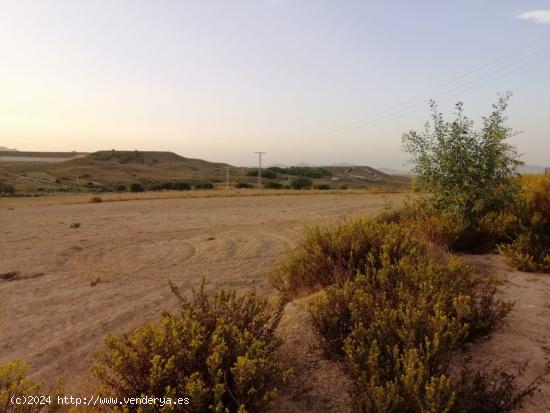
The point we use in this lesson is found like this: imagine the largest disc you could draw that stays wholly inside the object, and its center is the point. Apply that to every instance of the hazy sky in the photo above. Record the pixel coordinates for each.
(304, 80)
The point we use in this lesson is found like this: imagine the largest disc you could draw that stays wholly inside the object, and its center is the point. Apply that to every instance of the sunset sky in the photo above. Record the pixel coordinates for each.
(307, 81)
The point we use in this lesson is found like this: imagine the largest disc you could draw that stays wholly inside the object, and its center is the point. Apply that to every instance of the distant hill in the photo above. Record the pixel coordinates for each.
(3, 148)
(391, 171)
(531, 169)
(107, 170)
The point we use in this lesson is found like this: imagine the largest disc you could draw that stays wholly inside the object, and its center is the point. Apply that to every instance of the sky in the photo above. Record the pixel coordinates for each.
(321, 82)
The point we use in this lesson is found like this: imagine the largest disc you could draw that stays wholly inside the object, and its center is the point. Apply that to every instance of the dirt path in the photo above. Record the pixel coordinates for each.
(51, 315)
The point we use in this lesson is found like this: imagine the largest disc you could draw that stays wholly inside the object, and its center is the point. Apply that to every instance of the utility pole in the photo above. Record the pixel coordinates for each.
(260, 169)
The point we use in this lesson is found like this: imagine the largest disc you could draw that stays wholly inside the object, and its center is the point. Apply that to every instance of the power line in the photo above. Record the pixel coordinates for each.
(452, 94)
(408, 102)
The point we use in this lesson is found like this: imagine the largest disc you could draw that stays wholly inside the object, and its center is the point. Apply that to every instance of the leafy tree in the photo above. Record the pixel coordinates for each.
(468, 171)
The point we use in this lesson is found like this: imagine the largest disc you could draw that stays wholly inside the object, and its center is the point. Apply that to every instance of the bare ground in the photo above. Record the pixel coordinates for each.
(51, 315)
(525, 336)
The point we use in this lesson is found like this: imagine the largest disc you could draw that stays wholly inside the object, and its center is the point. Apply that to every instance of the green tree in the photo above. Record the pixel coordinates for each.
(468, 171)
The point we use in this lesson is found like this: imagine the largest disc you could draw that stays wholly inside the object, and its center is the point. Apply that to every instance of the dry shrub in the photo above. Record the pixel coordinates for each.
(529, 250)
(491, 391)
(96, 200)
(527, 253)
(393, 313)
(333, 254)
(218, 352)
(14, 382)
(397, 327)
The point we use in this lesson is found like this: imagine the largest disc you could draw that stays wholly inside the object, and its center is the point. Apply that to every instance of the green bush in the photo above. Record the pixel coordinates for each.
(322, 186)
(274, 185)
(301, 183)
(305, 171)
(242, 185)
(481, 182)
(14, 382)
(218, 352)
(204, 185)
(136, 187)
(181, 186)
(266, 173)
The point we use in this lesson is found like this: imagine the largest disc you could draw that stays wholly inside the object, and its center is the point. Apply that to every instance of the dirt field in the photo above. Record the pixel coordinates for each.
(55, 319)
(51, 315)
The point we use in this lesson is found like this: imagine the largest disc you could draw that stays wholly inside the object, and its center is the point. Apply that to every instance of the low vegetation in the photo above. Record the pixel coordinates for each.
(301, 183)
(136, 187)
(480, 203)
(218, 351)
(304, 171)
(395, 306)
(266, 173)
(204, 185)
(14, 382)
(395, 309)
(6, 189)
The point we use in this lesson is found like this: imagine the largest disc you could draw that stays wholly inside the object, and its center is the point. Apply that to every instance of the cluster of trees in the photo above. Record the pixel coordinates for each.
(304, 171)
(160, 186)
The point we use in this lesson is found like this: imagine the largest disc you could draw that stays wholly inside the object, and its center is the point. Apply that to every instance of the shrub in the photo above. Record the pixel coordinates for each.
(120, 188)
(96, 199)
(136, 187)
(305, 171)
(204, 185)
(526, 244)
(482, 181)
(527, 253)
(322, 186)
(266, 173)
(181, 186)
(301, 183)
(490, 391)
(394, 314)
(334, 254)
(274, 185)
(6, 189)
(218, 352)
(75, 225)
(242, 185)
(14, 382)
